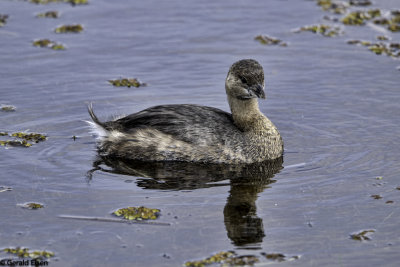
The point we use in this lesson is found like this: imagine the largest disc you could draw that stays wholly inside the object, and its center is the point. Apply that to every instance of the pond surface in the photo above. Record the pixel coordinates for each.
(336, 106)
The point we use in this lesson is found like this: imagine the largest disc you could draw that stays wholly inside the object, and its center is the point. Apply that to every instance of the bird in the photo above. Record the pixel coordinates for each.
(196, 133)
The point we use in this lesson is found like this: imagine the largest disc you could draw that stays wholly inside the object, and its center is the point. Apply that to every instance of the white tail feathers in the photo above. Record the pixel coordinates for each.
(97, 128)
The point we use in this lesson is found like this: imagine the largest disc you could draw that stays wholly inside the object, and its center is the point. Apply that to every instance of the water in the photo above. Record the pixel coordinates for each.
(335, 105)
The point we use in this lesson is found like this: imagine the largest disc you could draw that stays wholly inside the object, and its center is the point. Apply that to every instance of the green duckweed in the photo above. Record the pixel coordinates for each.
(137, 213)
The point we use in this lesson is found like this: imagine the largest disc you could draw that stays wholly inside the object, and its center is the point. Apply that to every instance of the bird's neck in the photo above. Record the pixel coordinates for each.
(246, 114)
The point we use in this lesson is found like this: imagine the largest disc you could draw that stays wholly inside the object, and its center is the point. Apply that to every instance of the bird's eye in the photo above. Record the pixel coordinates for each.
(243, 79)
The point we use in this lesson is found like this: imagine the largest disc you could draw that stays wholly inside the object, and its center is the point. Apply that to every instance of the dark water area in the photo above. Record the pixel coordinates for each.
(336, 106)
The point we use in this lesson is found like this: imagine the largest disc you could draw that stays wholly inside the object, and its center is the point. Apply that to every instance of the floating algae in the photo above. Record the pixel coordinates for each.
(333, 6)
(360, 2)
(22, 143)
(137, 213)
(225, 258)
(362, 235)
(25, 253)
(376, 196)
(47, 43)
(21, 139)
(216, 258)
(31, 206)
(382, 38)
(359, 17)
(279, 257)
(35, 137)
(76, 28)
(389, 49)
(3, 20)
(127, 82)
(7, 108)
(392, 23)
(325, 30)
(72, 2)
(245, 260)
(48, 14)
(267, 40)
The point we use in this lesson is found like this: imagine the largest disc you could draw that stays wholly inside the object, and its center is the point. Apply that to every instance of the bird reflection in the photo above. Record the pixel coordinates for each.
(244, 227)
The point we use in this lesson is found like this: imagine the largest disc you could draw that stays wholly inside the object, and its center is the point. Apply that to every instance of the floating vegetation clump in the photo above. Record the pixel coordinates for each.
(279, 257)
(127, 82)
(382, 38)
(392, 23)
(78, 2)
(35, 137)
(325, 30)
(25, 253)
(267, 40)
(49, 44)
(48, 14)
(31, 206)
(21, 139)
(359, 17)
(394, 27)
(360, 2)
(389, 49)
(7, 108)
(138, 213)
(77, 28)
(21, 143)
(3, 20)
(216, 258)
(376, 196)
(45, 1)
(336, 7)
(362, 236)
(225, 258)
(72, 2)
(245, 260)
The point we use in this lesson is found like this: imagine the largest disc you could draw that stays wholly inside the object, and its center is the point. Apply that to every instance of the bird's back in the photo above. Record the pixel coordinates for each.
(194, 124)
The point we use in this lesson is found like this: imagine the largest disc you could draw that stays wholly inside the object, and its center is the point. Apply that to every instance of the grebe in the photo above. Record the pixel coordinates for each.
(194, 133)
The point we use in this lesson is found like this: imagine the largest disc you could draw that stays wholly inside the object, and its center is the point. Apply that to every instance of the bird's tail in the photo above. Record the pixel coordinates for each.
(97, 127)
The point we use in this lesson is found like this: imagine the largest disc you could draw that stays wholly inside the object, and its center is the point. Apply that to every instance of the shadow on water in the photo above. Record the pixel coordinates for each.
(244, 228)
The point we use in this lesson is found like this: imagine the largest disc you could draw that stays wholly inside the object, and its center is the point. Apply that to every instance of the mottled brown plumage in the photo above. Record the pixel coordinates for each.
(193, 133)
